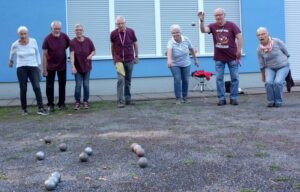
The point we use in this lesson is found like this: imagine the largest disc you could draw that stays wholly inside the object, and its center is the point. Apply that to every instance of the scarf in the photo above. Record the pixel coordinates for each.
(267, 48)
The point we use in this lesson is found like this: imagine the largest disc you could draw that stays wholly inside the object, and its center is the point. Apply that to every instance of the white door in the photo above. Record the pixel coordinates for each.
(292, 31)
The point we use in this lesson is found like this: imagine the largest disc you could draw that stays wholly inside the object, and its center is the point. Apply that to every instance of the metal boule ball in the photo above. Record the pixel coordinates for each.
(83, 157)
(50, 184)
(63, 147)
(132, 146)
(56, 174)
(140, 152)
(88, 151)
(55, 179)
(47, 140)
(40, 155)
(136, 147)
(142, 162)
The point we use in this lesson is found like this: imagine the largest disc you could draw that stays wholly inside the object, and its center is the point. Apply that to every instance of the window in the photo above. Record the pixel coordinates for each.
(150, 19)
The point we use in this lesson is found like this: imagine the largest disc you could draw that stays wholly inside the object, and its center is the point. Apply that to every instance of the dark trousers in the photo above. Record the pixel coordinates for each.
(61, 87)
(33, 74)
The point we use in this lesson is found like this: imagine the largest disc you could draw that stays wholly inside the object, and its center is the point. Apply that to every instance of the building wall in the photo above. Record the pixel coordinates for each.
(37, 16)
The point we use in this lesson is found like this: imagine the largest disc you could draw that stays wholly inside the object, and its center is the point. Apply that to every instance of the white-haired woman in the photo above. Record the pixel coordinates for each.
(274, 65)
(28, 61)
(82, 50)
(179, 49)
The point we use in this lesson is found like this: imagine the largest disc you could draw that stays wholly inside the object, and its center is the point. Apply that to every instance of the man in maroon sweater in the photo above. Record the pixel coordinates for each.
(124, 51)
(54, 61)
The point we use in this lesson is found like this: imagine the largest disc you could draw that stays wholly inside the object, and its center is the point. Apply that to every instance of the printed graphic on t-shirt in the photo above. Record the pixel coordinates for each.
(222, 38)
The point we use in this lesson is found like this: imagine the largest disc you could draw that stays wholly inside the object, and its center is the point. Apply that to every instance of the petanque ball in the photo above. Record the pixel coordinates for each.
(142, 162)
(83, 157)
(63, 147)
(140, 152)
(132, 146)
(50, 184)
(88, 151)
(136, 147)
(40, 155)
(57, 175)
(55, 179)
(47, 140)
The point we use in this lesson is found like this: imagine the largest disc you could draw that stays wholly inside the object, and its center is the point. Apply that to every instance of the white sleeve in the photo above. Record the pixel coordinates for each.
(12, 51)
(170, 44)
(37, 52)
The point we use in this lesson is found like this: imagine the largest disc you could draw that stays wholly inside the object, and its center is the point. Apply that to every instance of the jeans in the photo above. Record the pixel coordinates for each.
(82, 78)
(33, 74)
(275, 81)
(234, 76)
(181, 81)
(124, 83)
(61, 84)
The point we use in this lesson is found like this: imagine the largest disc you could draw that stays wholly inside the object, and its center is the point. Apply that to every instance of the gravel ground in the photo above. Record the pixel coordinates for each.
(190, 147)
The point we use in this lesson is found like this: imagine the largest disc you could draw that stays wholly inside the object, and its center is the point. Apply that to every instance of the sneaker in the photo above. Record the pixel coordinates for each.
(129, 103)
(61, 107)
(77, 106)
(50, 108)
(185, 100)
(178, 102)
(42, 111)
(277, 105)
(234, 102)
(221, 102)
(120, 105)
(24, 112)
(85, 105)
(270, 105)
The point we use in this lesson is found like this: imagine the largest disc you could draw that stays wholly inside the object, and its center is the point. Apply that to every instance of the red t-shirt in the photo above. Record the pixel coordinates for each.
(225, 47)
(81, 51)
(56, 46)
(123, 45)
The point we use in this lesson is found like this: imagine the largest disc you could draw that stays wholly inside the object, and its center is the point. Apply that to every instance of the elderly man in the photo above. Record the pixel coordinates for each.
(54, 61)
(124, 51)
(228, 42)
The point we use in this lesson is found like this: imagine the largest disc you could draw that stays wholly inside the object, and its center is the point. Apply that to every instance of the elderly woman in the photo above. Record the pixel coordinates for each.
(178, 50)
(274, 65)
(81, 52)
(28, 62)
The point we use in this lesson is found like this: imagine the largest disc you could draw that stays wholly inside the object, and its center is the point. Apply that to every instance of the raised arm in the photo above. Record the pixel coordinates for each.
(203, 28)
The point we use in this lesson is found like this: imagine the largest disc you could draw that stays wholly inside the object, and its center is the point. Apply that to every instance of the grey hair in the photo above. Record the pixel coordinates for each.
(220, 9)
(120, 17)
(78, 26)
(55, 22)
(22, 28)
(262, 29)
(175, 26)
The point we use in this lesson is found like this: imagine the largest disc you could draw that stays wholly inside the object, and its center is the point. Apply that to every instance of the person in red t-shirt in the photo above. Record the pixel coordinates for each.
(54, 61)
(82, 50)
(124, 49)
(228, 42)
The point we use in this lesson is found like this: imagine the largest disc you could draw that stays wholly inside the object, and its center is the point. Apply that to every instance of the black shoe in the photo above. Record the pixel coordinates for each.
(51, 108)
(129, 103)
(222, 102)
(61, 106)
(277, 105)
(270, 105)
(234, 102)
(42, 111)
